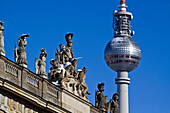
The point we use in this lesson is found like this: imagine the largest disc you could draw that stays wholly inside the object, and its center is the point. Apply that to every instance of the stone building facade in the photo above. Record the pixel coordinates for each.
(22, 91)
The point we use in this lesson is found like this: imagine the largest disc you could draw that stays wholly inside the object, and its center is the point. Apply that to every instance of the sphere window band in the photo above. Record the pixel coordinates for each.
(123, 56)
(117, 61)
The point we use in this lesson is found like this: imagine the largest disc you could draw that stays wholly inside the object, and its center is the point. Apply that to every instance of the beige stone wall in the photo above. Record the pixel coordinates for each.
(74, 105)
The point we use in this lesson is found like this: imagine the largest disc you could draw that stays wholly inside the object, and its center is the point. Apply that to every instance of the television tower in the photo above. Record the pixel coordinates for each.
(122, 54)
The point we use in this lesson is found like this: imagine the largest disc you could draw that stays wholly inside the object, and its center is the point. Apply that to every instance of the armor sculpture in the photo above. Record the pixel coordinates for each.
(20, 54)
(100, 99)
(40, 65)
(67, 52)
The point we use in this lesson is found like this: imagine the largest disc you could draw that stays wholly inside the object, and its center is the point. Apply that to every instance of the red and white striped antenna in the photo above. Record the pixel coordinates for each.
(122, 6)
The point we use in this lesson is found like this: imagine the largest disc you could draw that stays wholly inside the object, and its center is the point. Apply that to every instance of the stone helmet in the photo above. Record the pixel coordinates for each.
(69, 37)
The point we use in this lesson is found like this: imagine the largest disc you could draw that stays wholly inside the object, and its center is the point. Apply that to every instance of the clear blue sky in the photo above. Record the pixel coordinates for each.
(47, 22)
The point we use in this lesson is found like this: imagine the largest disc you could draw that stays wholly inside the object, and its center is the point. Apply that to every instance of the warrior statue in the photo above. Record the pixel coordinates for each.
(20, 55)
(40, 65)
(2, 51)
(100, 99)
(62, 59)
(114, 108)
(67, 52)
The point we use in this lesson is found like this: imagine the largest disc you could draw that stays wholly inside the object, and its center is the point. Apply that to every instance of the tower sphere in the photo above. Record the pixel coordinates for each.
(122, 54)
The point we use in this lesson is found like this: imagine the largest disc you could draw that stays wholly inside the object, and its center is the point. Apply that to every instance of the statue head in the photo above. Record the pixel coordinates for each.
(115, 97)
(101, 87)
(68, 38)
(43, 54)
(22, 40)
(23, 36)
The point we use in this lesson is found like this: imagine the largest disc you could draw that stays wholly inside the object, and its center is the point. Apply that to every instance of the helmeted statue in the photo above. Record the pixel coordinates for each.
(2, 51)
(20, 55)
(114, 108)
(100, 99)
(64, 70)
(40, 65)
(66, 50)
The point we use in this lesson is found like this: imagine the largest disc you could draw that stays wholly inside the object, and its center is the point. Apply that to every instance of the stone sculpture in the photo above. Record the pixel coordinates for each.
(114, 108)
(2, 51)
(40, 65)
(100, 99)
(20, 54)
(64, 70)
(82, 86)
(67, 51)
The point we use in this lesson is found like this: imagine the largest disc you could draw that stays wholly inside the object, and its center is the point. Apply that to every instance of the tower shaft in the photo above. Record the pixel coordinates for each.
(122, 82)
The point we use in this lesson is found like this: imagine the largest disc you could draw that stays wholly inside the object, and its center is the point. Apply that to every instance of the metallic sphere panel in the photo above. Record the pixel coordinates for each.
(122, 53)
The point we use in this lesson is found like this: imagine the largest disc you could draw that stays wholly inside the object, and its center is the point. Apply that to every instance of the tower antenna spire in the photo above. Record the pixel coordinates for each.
(122, 2)
(122, 6)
